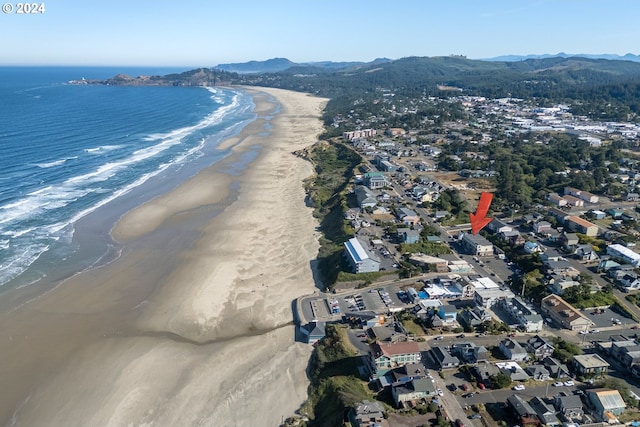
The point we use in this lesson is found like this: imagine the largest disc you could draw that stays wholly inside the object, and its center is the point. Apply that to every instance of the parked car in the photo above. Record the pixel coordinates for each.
(482, 386)
(569, 383)
(440, 392)
(439, 337)
(459, 423)
(468, 395)
(595, 331)
(460, 336)
(519, 387)
(558, 384)
(475, 416)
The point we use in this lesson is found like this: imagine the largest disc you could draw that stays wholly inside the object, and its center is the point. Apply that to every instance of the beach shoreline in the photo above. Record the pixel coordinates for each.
(192, 324)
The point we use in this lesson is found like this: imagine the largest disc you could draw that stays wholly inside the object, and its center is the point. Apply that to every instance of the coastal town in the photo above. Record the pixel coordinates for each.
(531, 322)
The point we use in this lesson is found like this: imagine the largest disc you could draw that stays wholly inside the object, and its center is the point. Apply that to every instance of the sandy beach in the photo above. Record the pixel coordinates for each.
(192, 325)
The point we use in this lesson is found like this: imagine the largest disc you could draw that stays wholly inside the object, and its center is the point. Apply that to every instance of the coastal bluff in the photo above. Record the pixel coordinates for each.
(197, 77)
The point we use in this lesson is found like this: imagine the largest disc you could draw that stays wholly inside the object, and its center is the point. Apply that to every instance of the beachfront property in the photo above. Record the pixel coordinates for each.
(384, 357)
(619, 251)
(475, 244)
(564, 313)
(375, 180)
(314, 331)
(365, 197)
(368, 414)
(412, 391)
(361, 259)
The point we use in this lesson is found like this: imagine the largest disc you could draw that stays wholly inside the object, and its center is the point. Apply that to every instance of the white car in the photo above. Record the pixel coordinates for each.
(583, 332)
(440, 393)
(595, 331)
(569, 383)
(519, 387)
(558, 384)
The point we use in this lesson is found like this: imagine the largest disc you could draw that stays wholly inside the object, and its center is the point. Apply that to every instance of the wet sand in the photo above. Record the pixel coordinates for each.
(192, 324)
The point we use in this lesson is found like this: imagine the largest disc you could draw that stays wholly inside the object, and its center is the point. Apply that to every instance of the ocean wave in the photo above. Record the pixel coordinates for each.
(102, 149)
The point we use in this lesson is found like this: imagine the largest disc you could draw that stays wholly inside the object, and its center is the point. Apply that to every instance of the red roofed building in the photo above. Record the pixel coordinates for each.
(579, 225)
(384, 357)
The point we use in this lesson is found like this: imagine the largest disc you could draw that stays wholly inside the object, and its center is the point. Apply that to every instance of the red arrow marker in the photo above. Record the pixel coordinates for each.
(479, 219)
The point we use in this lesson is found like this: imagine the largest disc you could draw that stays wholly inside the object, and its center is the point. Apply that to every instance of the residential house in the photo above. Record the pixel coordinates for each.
(631, 282)
(407, 235)
(564, 313)
(470, 352)
(412, 391)
(556, 369)
(606, 400)
(365, 197)
(314, 331)
(573, 201)
(539, 347)
(568, 240)
(443, 358)
(375, 180)
(538, 372)
(586, 253)
(408, 216)
(542, 227)
(513, 238)
(512, 350)
(368, 414)
(475, 244)
(361, 259)
(473, 317)
(383, 357)
(570, 406)
(546, 414)
(587, 364)
(497, 226)
(558, 287)
(488, 297)
(438, 264)
(532, 247)
(523, 411)
(560, 268)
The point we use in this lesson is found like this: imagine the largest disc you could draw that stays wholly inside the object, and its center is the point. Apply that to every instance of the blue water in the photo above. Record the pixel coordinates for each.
(67, 150)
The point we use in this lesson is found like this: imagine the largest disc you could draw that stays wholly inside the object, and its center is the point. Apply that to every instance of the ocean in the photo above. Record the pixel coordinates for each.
(69, 151)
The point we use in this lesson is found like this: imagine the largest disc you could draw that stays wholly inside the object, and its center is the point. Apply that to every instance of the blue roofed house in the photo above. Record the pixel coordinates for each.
(448, 313)
(360, 258)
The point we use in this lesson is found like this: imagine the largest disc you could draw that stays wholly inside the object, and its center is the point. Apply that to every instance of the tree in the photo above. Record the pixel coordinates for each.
(500, 380)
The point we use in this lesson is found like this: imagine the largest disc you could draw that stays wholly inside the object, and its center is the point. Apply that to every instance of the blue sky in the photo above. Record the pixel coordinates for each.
(207, 33)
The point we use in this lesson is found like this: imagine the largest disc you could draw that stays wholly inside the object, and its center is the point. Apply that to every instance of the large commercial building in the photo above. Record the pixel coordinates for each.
(360, 258)
(579, 225)
(620, 251)
(564, 313)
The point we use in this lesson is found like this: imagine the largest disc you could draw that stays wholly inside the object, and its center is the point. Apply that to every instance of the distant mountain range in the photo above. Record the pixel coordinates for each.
(276, 65)
(614, 57)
